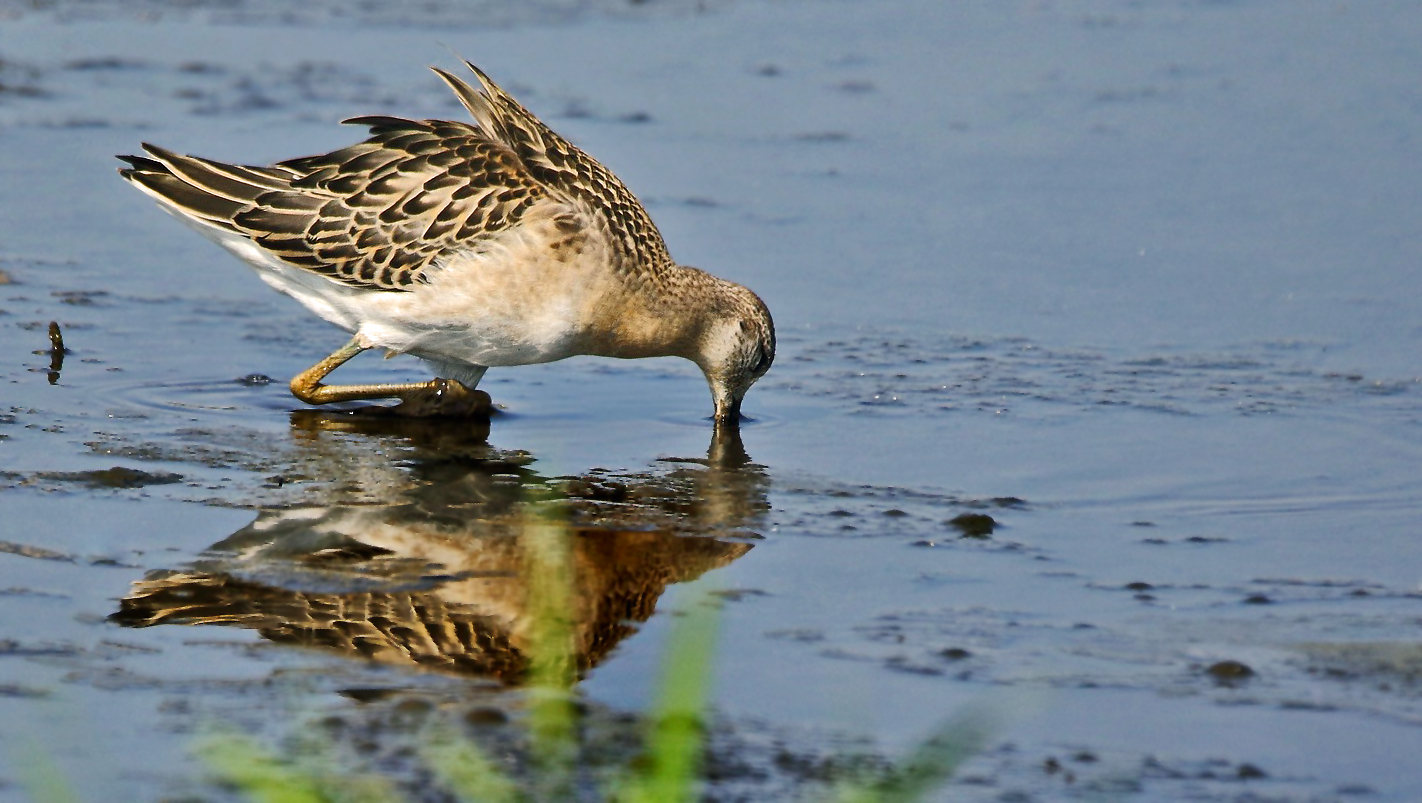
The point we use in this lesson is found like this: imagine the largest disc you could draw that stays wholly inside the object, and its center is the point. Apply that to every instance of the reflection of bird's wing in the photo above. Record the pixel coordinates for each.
(377, 214)
(560, 165)
(391, 627)
(620, 575)
(401, 584)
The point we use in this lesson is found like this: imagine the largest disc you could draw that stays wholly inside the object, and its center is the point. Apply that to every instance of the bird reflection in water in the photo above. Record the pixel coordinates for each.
(434, 573)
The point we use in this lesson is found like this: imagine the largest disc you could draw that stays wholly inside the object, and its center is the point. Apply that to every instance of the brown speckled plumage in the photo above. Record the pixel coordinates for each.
(517, 246)
(377, 214)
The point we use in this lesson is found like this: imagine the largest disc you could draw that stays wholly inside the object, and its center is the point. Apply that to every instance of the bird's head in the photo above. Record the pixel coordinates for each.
(735, 348)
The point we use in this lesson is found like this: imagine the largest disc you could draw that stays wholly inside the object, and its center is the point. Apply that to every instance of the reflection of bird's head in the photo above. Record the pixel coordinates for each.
(727, 452)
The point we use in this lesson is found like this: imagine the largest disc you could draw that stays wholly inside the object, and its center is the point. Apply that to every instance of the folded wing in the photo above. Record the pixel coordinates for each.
(557, 163)
(377, 214)
(381, 213)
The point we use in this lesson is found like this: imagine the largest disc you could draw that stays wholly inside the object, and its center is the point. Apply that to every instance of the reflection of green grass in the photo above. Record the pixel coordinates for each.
(264, 778)
(552, 721)
(930, 765)
(676, 737)
(674, 742)
(42, 779)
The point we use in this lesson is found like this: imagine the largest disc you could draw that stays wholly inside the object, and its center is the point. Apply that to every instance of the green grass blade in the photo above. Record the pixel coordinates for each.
(549, 575)
(931, 763)
(552, 656)
(467, 772)
(42, 778)
(257, 774)
(676, 741)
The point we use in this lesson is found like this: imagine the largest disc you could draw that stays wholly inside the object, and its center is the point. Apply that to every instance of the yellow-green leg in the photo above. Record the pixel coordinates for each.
(435, 397)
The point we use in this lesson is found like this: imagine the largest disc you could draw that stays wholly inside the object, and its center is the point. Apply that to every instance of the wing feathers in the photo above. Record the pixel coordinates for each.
(184, 197)
(557, 163)
(198, 174)
(383, 212)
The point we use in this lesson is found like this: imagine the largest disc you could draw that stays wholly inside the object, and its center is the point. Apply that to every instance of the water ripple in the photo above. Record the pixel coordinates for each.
(886, 372)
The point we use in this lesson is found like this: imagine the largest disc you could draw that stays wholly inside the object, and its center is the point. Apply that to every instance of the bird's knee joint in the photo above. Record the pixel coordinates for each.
(305, 390)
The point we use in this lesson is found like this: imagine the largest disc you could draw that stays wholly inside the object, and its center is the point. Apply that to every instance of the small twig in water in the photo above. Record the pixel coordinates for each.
(56, 352)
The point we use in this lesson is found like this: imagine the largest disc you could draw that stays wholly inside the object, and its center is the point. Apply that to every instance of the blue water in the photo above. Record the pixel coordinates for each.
(1149, 268)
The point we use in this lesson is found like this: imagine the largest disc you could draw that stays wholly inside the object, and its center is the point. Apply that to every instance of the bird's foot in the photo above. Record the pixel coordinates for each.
(445, 398)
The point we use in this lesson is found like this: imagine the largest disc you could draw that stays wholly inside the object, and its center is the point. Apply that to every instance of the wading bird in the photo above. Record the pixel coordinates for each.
(471, 246)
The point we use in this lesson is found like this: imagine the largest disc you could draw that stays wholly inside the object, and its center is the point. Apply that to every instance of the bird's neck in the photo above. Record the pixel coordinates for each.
(670, 318)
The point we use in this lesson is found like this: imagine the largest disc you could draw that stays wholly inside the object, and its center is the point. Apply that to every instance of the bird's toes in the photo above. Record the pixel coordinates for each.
(444, 398)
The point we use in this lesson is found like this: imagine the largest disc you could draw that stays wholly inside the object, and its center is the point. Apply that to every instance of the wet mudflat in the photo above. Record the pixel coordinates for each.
(1097, 400)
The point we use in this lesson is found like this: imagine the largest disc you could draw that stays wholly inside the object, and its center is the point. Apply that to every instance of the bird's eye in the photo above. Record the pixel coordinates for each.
(762, 361)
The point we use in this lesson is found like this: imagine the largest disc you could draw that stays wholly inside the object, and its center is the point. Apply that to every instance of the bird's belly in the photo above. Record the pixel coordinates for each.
(491, 328)
(513, 303)
(496, 313)
(477, 344)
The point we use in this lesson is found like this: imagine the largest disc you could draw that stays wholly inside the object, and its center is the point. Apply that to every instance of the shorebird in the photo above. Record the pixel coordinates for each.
(471, 246)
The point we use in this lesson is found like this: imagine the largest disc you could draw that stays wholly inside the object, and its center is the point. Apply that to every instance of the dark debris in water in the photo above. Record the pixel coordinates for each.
(20, 80)
(17, 591)
(973, 525)
(1223, 770)
(56, 352)
(1006, 502)
(31, 551)
(13, 648)
(1229, 672)
(116, 477)
(738, 594)
(105, 63)
(80, 298)
(15, 690)
(369, 695)
(898, 511)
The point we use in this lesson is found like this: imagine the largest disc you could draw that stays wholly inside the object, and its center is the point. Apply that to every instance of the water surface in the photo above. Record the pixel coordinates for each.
(1137, 281)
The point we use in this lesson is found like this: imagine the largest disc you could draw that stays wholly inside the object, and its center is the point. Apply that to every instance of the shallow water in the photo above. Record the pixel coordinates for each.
(1138, 281)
